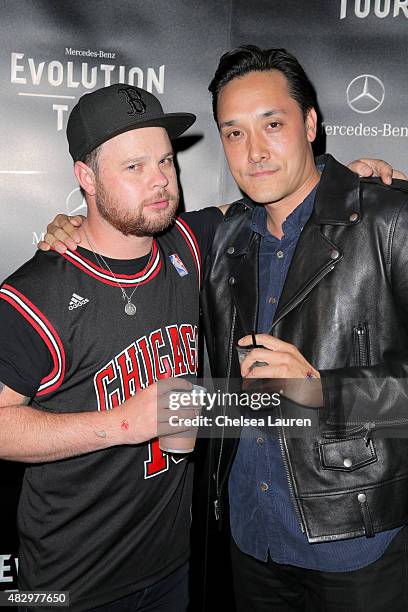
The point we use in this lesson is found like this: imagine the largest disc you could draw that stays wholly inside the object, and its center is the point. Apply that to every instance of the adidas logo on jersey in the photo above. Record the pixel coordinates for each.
(76, 301)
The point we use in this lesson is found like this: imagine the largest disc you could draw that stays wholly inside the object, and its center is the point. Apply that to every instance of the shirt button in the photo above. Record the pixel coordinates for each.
(272, 300)
(264, 487)
(334, 254)
(279, 254)
(231, 250)
(231, 280)
(347, 462)
(362, 498)
(260, 440)
(353, 217)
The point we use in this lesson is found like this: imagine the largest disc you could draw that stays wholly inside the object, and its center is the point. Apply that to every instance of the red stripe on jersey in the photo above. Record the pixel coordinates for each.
(105, 276)
(45, 330)
(192, 244)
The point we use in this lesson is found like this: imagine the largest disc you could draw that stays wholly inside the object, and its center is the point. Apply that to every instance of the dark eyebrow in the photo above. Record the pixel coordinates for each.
(268, 113)
(228, 123)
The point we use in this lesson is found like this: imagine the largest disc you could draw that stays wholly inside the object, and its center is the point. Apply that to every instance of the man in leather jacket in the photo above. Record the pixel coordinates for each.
(233, 299)
(314, 259)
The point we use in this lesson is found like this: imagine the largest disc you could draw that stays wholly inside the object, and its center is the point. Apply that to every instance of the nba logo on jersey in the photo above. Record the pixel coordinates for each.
(178, 264)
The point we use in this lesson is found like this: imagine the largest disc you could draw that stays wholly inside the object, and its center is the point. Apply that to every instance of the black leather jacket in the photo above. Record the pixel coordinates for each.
(345, 306)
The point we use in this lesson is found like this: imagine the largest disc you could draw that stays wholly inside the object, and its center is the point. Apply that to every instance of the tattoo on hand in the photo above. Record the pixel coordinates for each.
(101, 434)
(124, 425)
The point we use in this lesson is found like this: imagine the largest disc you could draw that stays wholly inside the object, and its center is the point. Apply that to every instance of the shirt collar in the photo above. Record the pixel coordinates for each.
(294, 222)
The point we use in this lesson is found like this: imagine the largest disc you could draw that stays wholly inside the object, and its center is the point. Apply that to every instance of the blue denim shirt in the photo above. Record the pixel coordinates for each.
(263, 518)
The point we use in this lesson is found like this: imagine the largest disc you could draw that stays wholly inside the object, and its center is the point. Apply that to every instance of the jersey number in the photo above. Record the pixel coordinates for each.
(158, 462)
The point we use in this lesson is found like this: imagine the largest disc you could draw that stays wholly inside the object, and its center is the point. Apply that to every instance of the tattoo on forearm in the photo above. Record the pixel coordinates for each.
(1, 386)
(124, 425)
(101, 434)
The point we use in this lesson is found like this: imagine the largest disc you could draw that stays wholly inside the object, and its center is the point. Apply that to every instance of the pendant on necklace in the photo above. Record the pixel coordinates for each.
(130, 309)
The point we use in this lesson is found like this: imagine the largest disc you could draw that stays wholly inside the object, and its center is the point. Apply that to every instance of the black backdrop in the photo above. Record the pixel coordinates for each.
(354, 50)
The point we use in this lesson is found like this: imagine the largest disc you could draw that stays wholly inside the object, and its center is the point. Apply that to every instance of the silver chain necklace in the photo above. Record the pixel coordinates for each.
(130, 308)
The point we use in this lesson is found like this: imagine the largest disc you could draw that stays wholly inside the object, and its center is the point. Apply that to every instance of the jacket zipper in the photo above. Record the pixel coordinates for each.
(352, 434)
(288, 477)
(217, 477)
(383, 425)
(361, 340)
(281, 433)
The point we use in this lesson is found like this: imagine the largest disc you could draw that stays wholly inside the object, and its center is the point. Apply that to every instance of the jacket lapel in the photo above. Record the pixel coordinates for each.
(337, 203)
(314, 257)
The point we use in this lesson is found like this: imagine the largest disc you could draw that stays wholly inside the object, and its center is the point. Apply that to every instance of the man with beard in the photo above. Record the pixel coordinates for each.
(62, 230)
(84, 339)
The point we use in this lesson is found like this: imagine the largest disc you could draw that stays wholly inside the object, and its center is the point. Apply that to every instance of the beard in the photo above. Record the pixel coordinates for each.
(136, 223)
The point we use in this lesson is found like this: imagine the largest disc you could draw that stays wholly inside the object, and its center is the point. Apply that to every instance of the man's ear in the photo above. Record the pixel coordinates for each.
(85, 177)
(311, 124)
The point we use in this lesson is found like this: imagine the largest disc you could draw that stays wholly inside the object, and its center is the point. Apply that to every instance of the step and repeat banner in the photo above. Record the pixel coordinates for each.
(52, 52)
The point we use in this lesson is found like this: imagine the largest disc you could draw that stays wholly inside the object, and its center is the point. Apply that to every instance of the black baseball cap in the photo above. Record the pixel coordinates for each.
(109, 111)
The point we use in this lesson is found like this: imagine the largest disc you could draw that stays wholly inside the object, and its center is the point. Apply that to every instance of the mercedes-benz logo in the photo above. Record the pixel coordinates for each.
(75, 203)
(365, 93)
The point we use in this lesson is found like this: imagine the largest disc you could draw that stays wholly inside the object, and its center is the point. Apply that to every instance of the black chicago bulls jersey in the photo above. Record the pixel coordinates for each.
(105, 524)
